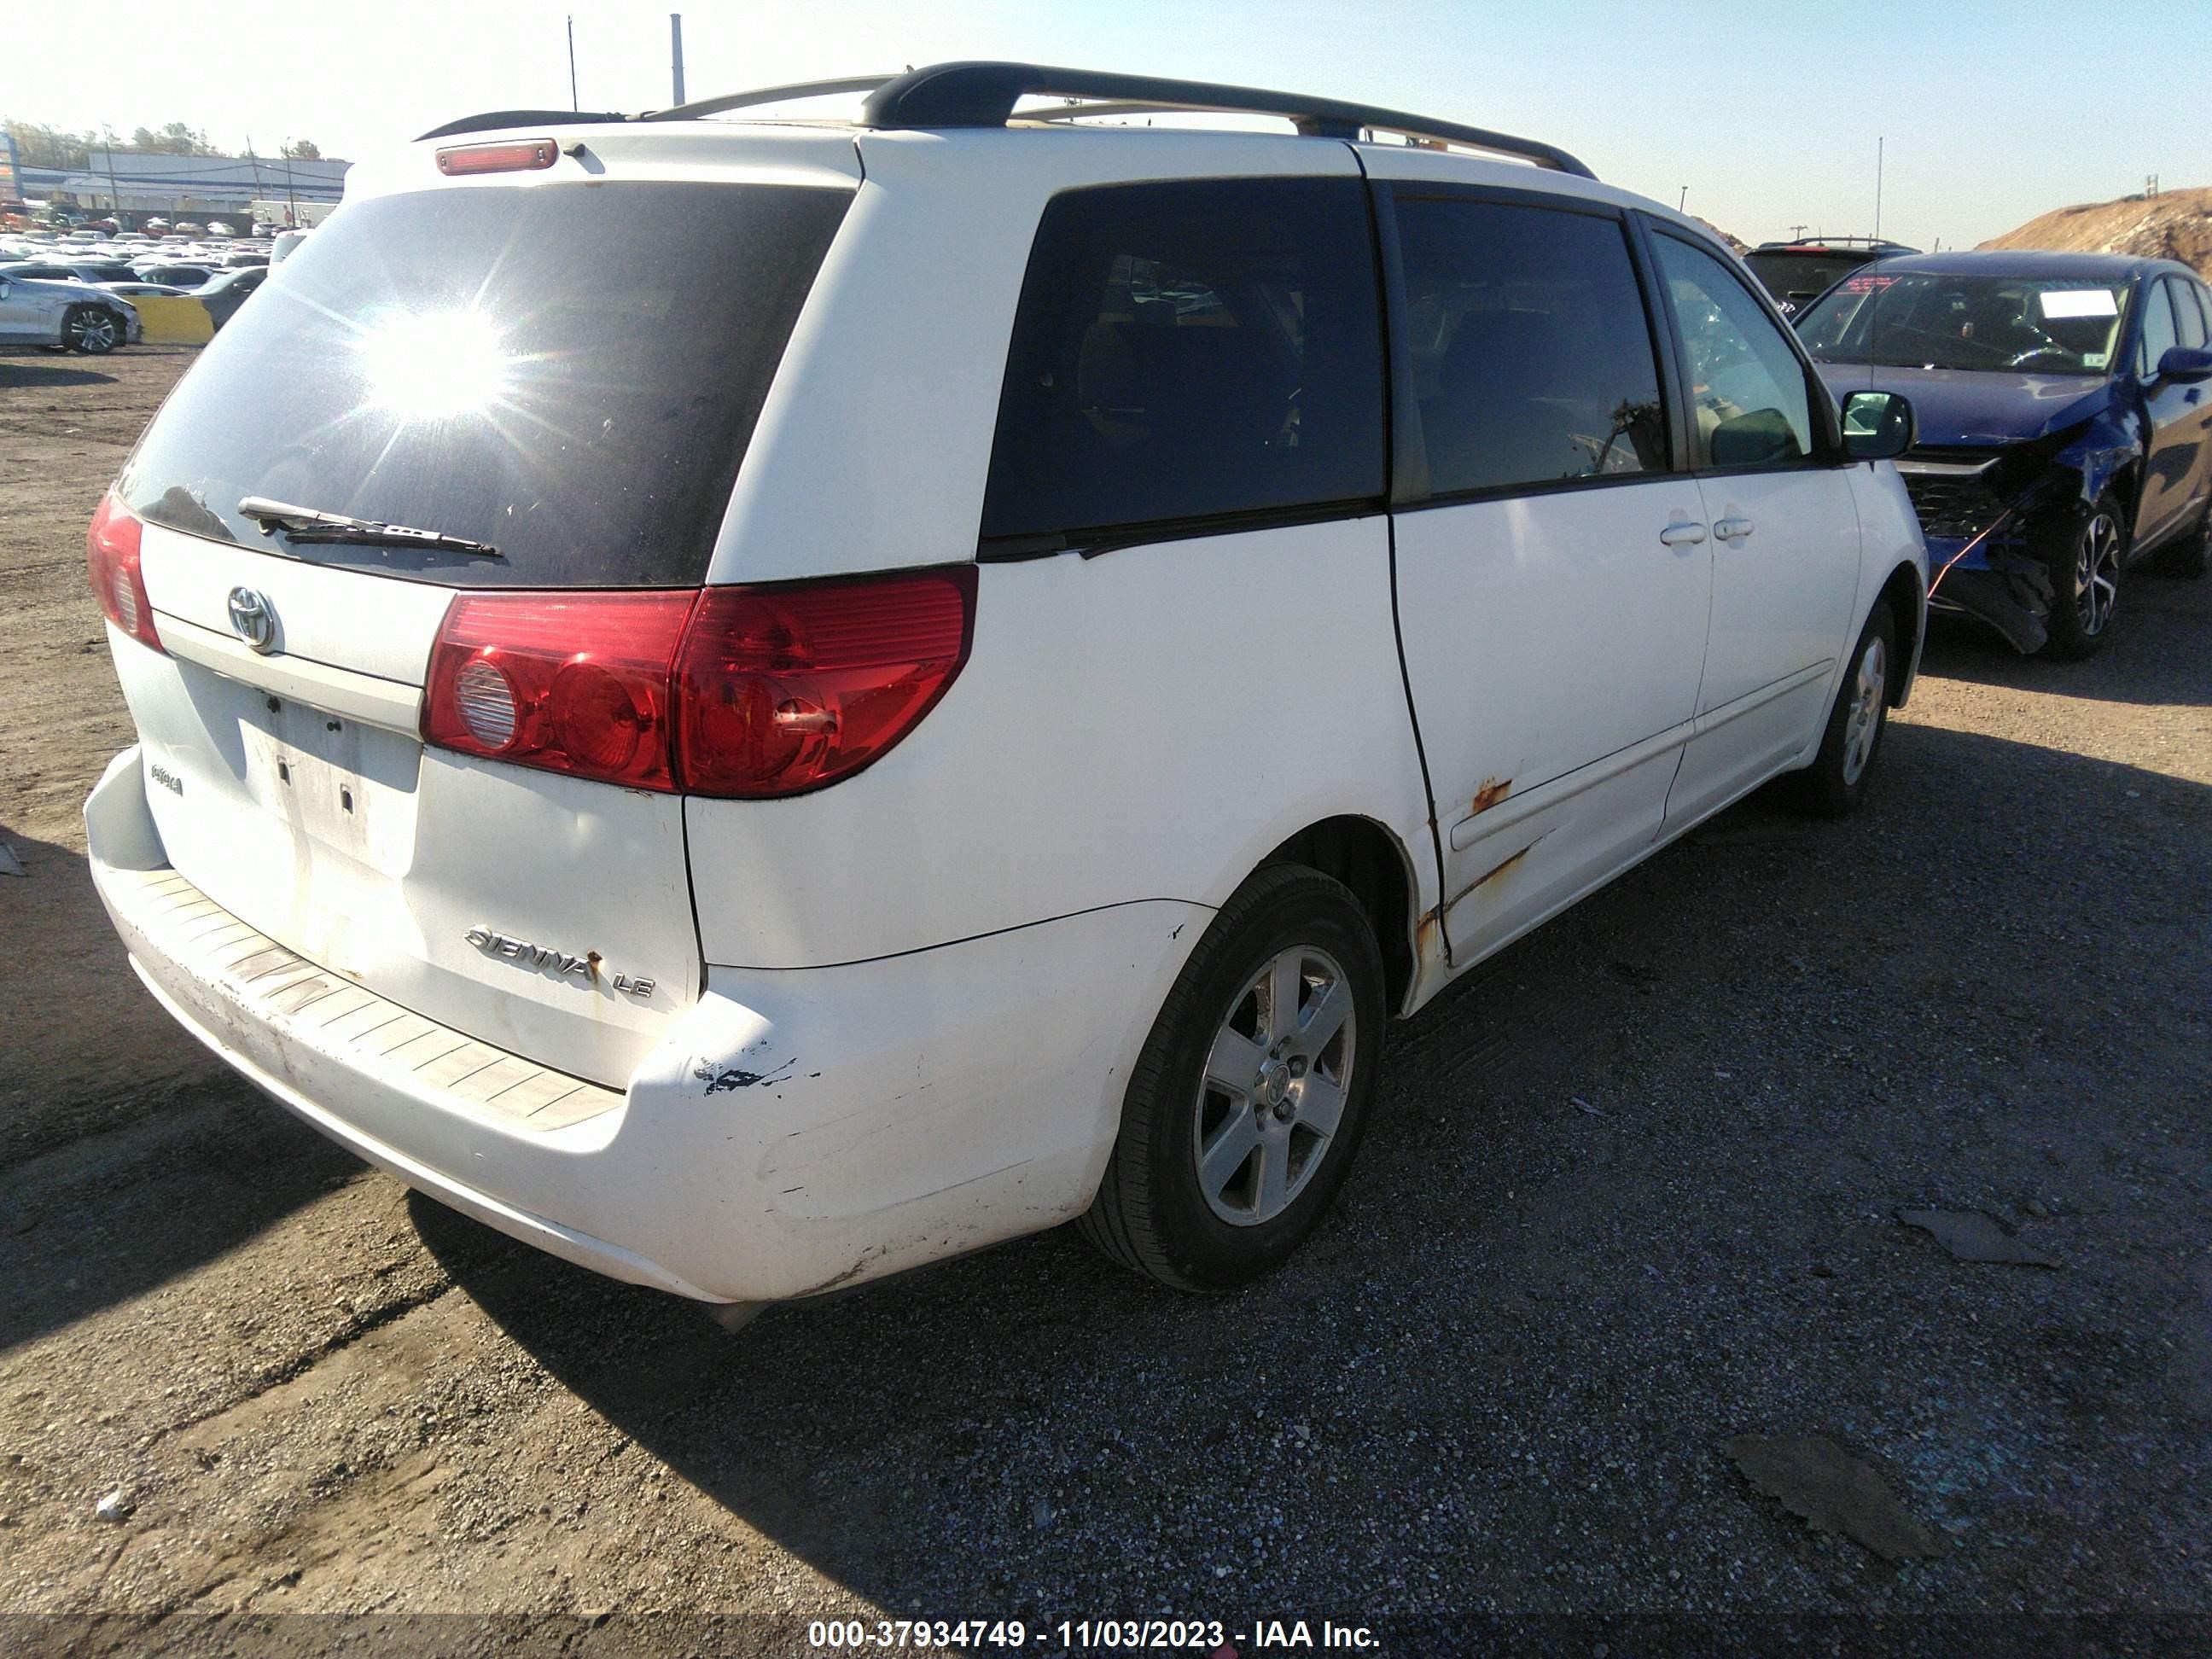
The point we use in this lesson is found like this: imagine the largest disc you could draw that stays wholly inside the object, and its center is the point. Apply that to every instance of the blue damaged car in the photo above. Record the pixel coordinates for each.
(2065, 424)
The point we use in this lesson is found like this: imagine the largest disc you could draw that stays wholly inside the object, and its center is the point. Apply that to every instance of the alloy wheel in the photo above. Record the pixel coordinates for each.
(1275, 1086)
(1863, 723)
(94, 330)
(2097, 573)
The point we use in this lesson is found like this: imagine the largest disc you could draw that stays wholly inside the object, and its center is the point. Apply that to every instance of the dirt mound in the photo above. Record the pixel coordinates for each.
(1736, 243)
(2175, 224)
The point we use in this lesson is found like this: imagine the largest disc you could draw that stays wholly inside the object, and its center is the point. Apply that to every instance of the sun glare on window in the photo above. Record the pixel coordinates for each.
(434, 366)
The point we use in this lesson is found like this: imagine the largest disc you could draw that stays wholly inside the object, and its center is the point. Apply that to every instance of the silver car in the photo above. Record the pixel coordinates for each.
(64, 316)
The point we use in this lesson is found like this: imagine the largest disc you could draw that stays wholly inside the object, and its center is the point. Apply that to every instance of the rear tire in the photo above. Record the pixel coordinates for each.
(1248, 1102)
(1836, 782)
(2085, 553)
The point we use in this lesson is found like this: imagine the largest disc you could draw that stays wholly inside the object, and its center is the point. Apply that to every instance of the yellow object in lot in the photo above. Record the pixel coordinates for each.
(173, 319)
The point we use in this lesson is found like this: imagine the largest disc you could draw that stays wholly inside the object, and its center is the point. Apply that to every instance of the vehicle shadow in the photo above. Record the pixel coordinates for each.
(127, 1153)
(2155, 654)
(15, 373)
(1597, 1170)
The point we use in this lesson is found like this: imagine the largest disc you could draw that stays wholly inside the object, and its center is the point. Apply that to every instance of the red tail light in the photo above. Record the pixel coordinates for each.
(570, 682)
(112, 558)
(780, 690)
(734, 691)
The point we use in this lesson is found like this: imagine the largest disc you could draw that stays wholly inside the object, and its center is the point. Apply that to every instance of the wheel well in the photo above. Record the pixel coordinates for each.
(1901, 593)
(2126, 483)
(1367, 859)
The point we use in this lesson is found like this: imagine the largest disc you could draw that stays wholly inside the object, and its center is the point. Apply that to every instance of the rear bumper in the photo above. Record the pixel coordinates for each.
(791, 1133)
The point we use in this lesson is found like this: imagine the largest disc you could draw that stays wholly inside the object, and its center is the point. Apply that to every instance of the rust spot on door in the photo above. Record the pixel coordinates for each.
(1494, 790)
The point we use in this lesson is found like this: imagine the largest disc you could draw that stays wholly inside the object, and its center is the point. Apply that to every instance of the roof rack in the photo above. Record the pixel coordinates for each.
(764, 95)
(983, 94)
(566, 118)
(1834, 242)
(519, 118)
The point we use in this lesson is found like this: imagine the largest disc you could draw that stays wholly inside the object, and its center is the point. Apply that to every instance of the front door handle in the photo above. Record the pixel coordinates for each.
(1732, 530)
(1683, 532)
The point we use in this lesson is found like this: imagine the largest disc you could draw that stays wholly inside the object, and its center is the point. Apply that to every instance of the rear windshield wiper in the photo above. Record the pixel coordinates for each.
(307, 524)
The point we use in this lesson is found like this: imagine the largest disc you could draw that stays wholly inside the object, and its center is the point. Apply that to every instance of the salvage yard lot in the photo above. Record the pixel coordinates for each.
(1630, 1195)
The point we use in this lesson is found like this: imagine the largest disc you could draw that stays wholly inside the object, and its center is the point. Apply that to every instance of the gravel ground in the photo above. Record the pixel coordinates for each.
(1630, 1192)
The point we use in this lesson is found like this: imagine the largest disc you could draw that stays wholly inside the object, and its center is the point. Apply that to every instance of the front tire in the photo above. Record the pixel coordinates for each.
(1247, 1102)
(2084, 553)
(93, 330)
(1836, 782)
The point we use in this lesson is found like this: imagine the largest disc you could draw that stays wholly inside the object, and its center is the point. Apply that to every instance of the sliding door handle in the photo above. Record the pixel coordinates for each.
(1732, 530)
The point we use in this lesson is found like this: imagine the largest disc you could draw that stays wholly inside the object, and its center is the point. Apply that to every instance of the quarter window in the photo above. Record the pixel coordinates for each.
(1188, 351)
(1747, 388)
(1530, 354)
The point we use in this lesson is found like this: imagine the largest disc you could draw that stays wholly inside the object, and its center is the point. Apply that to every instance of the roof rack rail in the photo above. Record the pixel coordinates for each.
(519, 118)
(764, 95)
(983, 94)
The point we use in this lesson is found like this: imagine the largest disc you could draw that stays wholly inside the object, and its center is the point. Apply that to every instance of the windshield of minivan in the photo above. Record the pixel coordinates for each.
(447, 360)
(1923, 320)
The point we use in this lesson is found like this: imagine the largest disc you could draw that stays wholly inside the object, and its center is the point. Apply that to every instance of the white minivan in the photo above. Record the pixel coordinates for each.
(954, 670)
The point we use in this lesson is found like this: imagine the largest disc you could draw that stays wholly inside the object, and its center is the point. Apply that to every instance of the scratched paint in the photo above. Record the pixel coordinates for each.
(719, 1081)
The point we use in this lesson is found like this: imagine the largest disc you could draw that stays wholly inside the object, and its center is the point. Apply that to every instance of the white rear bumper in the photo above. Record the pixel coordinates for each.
(794, 1131)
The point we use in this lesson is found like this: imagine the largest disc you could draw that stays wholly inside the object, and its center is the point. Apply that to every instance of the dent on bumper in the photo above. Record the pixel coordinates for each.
(792, 1131)
(2000, 584)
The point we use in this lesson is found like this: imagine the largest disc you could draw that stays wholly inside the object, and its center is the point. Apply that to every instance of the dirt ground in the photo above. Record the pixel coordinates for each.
(1630, 1193)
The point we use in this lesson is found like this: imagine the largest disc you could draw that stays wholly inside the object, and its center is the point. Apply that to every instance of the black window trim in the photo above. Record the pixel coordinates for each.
(1090, 541)
(1828, 452)
(1409, 472)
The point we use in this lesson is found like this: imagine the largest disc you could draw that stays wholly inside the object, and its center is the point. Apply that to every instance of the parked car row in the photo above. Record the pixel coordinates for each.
(85, 304)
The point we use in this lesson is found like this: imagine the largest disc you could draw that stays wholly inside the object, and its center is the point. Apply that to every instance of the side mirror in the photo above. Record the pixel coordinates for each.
(2185, 365)
(1878, 426)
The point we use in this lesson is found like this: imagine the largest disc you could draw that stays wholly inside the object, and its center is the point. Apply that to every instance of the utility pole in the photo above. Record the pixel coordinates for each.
(572, 104)
(676, 54)
(1682, 204)
(291, 206)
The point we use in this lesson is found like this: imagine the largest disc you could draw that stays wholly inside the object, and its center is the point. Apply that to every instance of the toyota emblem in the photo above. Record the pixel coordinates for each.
(253, 618)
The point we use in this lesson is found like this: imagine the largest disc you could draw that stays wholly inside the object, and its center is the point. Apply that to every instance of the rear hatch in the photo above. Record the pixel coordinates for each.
(564, 368)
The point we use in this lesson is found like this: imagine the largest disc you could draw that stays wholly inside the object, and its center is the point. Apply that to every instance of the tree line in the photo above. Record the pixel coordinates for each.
(37, 146)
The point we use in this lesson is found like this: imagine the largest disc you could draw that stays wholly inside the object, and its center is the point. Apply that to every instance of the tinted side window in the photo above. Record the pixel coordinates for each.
(2158, 334)
(2187, 319)
(1188, 350)
(1747, 387)
(1531, 356)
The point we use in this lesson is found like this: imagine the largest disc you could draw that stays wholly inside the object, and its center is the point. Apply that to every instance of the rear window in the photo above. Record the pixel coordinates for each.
(570, 372)
(1797, 277)
(1190, 350)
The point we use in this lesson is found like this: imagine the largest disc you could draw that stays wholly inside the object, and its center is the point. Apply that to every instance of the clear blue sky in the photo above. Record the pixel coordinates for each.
(1769, 112)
